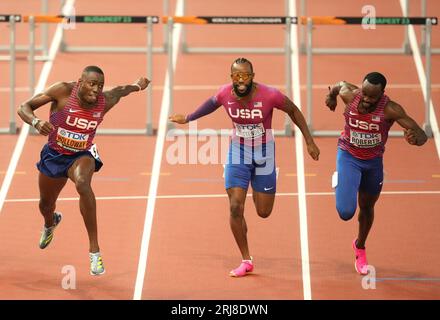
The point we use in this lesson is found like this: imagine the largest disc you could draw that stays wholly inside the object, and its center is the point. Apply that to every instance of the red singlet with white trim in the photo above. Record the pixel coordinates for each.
(365, 135)
(75, 127)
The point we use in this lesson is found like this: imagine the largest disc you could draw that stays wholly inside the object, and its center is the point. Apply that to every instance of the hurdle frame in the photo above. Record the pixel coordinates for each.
(147, 20)
(170, 21)
(11, 20)
(65, 47)
(43, 46)
(428, 22)
(286, 21)
(423, 31)
(404, 49)
(188, 49)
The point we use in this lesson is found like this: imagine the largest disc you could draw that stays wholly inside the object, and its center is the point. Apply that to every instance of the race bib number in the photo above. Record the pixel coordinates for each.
(249, 131)
(72, 141)
(94, 152)
(365, 139)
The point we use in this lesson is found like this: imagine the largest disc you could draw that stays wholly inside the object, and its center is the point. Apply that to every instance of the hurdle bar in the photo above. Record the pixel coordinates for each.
(405, 49)
(405, 21)
(187, 49)
(12, 20)
(423, 31)
(201, 20)
(148, 20)
(108, 49)
(117, 19)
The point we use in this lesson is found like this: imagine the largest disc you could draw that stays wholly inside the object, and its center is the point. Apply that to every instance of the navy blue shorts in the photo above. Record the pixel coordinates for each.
(55, 165)
(251, 164)
(353, 175)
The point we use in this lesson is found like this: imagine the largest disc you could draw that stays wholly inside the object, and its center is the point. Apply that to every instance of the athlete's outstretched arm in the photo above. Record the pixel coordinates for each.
(113, 96)
(55, 93)
(206, 108)
(345, 90)
(297, 117)
(413, 133)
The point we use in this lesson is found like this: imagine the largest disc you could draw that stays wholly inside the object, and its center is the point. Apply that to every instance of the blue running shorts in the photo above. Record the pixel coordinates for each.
(56, 165)
(353, 175)
(254, 164)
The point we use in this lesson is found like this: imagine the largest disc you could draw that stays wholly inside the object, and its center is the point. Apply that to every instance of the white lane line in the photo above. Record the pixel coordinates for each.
(304, 238)
(422, 78)
(47, 66)
(223, 195)
(158, 151)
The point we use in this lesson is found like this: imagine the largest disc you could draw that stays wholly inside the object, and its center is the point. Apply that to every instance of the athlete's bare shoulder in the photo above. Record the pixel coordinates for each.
(60, 90)
(59, 93)
(348, 91)
(393, 111)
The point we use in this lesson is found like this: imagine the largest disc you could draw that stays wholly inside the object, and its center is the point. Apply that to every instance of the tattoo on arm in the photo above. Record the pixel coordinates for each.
(114, 95)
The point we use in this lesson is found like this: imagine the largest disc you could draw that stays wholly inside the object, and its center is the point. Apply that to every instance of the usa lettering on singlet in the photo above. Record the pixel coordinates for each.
(75, 127)
(252, 120)
(365, 135)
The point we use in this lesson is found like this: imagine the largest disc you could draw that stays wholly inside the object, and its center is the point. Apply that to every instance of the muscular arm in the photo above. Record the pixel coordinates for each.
(413, 133)
(113, 96)
(297, 117)
(345, 90)
(56, 94)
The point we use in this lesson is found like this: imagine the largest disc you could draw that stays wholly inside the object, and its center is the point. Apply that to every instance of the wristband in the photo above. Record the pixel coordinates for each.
(35, 121)
(137, 85)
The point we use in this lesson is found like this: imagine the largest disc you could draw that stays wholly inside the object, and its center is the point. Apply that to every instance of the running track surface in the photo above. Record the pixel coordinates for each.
(191, 248)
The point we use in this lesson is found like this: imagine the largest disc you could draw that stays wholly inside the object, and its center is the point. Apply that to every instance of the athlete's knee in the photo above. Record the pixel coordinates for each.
(264, 212)
(346, 212)
(82, 185)
(366, 204)
(236, 208)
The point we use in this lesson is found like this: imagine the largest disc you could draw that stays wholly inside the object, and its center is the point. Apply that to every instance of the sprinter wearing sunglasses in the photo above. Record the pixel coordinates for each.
(251, 157)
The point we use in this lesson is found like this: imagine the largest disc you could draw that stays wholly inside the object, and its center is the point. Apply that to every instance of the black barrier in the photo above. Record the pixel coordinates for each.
(7, 17)
(383, 20)
(331, 20)
(110, 19)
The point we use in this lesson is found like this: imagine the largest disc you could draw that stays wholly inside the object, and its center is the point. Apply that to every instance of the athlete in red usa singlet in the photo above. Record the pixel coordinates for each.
(369, 115)
(365, 135)
(74, 127)
(251, 157)
(77, 109)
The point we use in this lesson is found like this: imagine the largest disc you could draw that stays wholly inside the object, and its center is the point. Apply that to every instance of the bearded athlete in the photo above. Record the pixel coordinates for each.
(251, 157)
(369, 114)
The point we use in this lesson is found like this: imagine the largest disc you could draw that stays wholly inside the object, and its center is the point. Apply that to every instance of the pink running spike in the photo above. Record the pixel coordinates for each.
(361, 264)
(245, 267)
